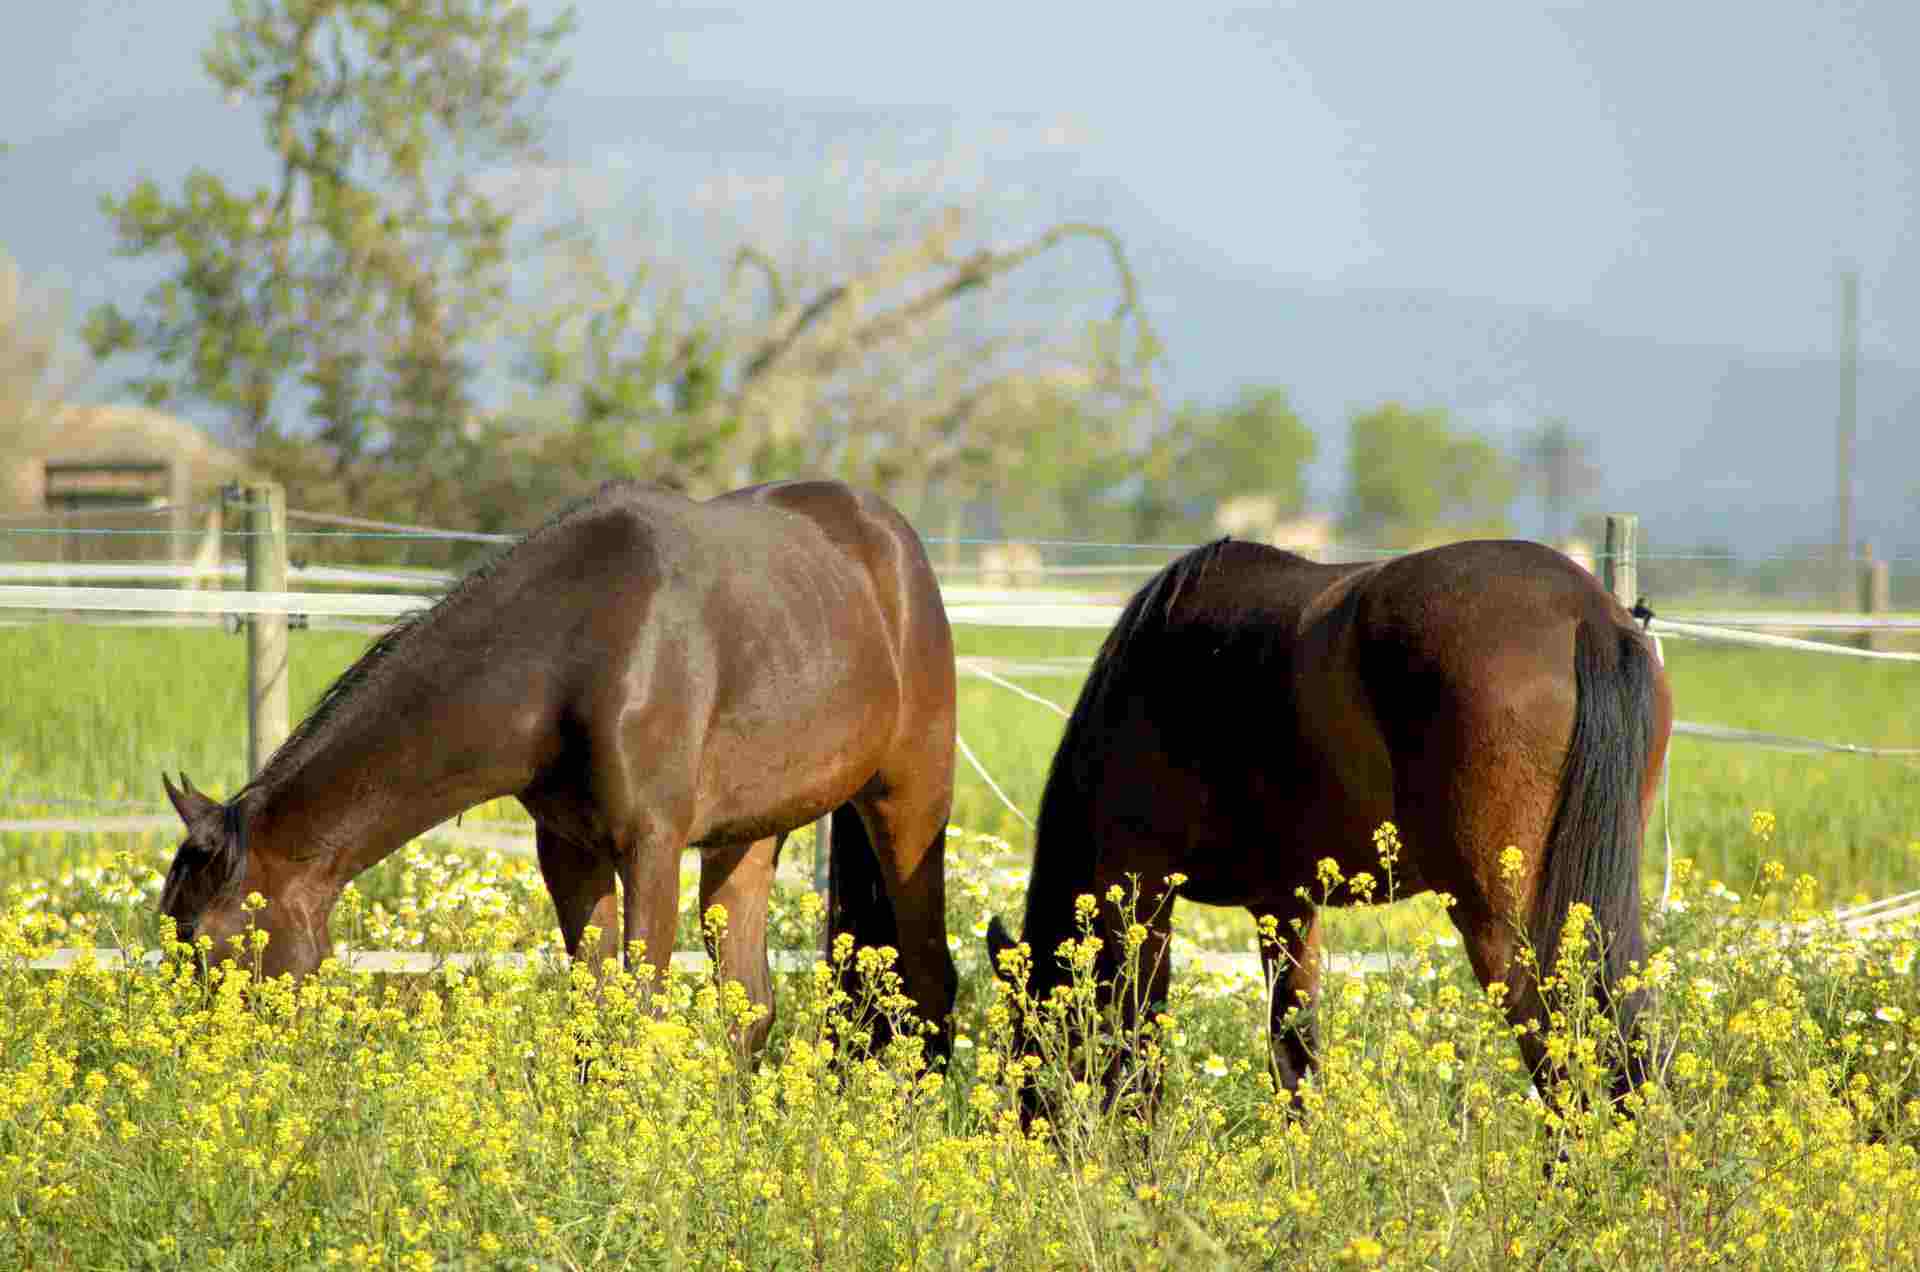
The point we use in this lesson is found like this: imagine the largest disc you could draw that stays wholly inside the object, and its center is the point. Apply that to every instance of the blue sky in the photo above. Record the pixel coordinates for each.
(1693, 171)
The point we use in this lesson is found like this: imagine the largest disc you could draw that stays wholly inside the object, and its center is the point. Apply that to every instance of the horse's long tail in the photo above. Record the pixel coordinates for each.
(1593, 846)
(857, 895)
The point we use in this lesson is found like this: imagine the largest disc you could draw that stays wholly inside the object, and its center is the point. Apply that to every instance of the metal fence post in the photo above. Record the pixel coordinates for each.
(264, 519)
(1618, 569)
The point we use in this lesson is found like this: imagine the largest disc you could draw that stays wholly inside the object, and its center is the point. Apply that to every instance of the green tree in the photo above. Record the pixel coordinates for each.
(884, 366)
(1067, 478)
(350, 298)
(1413, 477)
(1256, 445)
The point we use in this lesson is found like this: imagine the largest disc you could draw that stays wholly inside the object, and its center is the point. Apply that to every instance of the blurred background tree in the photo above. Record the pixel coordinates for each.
(1556, 464)
(337, 321)
(891, 368)
(347, 304)
(1254, 446)
(39, 367)
(1414, 477)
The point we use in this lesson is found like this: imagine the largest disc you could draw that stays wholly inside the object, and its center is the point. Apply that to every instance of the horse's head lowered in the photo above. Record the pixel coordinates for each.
(213, 874)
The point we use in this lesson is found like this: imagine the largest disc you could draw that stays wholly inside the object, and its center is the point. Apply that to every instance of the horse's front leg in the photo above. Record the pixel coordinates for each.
(581, 884)
(648, 857)
(739, 878)
(1291, 957)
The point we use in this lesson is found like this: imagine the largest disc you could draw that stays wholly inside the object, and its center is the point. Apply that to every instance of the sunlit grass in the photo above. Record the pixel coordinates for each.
(93, 715)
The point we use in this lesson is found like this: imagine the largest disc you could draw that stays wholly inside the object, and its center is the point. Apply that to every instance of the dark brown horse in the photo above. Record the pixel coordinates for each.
(1253, 712)
(644, 672)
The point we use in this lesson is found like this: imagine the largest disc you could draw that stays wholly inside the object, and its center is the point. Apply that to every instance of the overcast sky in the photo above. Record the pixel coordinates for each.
(1691, 171)
(1686, 171)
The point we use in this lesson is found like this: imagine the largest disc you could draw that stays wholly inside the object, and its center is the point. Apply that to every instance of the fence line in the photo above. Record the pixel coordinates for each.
(970, 605)
(1764, 640)
(966, 605)
(372, 528)
(398, 527)
(1787, 620)
(56, 573)
(1786, 742)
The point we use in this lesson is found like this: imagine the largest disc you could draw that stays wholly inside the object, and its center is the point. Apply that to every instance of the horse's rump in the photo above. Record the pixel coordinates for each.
(1252, 713)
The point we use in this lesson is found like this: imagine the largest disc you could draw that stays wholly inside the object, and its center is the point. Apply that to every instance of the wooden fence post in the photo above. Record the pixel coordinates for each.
(1876, 596)
(263, 506)
(179, 515)
(1618, 568)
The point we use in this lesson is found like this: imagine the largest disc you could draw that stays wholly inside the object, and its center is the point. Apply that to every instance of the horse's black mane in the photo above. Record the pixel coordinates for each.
(1063, 808)
(1151, 612)
(394, 638)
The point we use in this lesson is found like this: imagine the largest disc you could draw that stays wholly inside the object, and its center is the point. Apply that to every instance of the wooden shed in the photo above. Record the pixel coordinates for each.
(113, 466)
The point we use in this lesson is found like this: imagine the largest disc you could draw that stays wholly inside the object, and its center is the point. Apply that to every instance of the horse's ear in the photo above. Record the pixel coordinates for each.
(998, 940)
(188, 802)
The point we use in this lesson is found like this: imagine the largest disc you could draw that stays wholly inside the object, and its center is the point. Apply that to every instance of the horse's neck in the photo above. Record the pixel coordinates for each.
(367, 783)
(1062, 872)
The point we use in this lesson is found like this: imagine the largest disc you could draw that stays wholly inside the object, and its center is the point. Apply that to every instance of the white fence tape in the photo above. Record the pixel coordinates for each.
(143, 600)
(1783, 742)
(967, 606)
(972, 667)
(1734, 636)
(966, 753)
(62, 572)
(1789, 621)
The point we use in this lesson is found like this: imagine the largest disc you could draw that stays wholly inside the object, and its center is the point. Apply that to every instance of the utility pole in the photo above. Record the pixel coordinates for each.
(1843, 467)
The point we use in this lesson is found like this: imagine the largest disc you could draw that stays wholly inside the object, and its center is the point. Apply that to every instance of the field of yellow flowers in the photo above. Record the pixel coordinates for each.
(543, 1116)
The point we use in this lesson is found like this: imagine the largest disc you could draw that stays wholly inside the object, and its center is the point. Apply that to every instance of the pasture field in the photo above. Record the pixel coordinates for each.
(153, 1120)
(95, 714)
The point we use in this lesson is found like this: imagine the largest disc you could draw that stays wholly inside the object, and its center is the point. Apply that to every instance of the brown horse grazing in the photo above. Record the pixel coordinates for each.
(1253, 712)
(643, 672)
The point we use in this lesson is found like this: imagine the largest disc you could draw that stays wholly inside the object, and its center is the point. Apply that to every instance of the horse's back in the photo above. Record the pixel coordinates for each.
(1296, 704)
(767, 649)
(1484, 591)
(742, 539)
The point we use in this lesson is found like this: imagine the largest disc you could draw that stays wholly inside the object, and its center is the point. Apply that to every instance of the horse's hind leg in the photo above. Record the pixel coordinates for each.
(580, 881)
(1493, 940)
(739, 877)
(1292, 960)
(1143, 986)
(907, 830)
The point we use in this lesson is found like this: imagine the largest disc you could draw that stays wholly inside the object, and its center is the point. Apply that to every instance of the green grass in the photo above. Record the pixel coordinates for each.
(97, 713)
(1850, 821)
